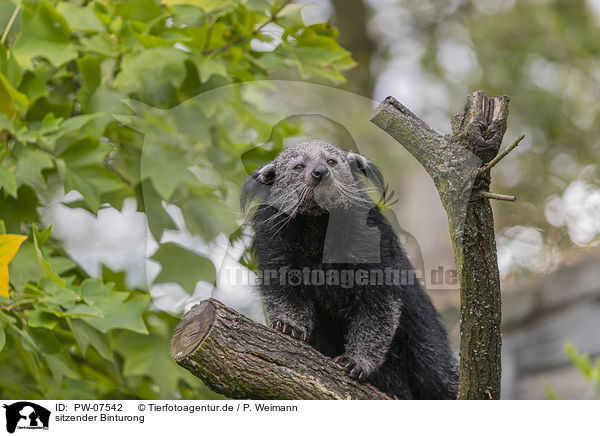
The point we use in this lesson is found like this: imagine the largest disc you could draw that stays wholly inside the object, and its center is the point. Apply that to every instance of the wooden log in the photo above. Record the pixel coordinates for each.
(240, 358)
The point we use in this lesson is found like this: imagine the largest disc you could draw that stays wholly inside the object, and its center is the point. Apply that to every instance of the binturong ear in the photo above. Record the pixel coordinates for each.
(257, 185)
(364, 167)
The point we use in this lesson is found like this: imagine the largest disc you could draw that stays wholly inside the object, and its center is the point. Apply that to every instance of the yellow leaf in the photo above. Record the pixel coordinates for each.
(9, 245)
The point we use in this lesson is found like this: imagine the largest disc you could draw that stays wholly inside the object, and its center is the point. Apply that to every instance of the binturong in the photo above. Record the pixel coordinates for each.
(335, 275)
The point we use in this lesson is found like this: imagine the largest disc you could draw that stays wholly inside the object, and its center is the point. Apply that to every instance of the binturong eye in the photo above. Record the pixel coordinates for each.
(299, 167)
(331, 162)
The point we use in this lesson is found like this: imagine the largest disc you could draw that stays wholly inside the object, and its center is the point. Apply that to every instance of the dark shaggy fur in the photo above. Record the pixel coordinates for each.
(389, 335)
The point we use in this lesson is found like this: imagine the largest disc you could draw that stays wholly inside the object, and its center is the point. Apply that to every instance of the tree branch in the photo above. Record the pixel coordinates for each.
(455, 163)
(239, 358)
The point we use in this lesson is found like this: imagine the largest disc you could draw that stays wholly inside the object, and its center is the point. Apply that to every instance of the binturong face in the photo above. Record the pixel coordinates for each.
(313, 177)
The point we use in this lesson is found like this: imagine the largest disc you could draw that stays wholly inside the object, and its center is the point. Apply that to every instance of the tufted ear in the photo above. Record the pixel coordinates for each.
(366, 168)
(257, 185)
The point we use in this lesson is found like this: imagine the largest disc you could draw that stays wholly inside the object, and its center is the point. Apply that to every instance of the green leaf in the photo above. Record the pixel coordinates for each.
(115, 278)
(148, 355)
(138, 10)
(26, 349)
(83, 310)
(77, 122)
(24, 267)
(9, 67)
(80, 18)
(35, 82)
(205, 5)
(86, 335)
(100, 44)
(42, 107)
(581, 361)
(41, 319)
(182, 266)
(56, 295)
(30, 164)
(60, 264)
(81, 167)
(121, 310)
(45, 33)
(550, 392)
(42, 236)
(2, 338)
(45, 266)
(7, 124)
(208, 67)
(150, 68)
(24, 337)
(150, 202)
(8, 182)
(208, 217)
(61, 366)
(21, 209)
(316, 52)
(166, 167)
(94, 291)
(290, 17)
(12, 102)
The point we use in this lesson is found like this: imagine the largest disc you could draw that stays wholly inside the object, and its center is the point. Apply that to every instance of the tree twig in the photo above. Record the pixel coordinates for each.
(12, 19)
(494, 196)
(481, 171)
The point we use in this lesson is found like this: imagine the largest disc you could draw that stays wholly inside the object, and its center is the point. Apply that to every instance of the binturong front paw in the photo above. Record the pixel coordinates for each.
(352, 367)
(287, 329)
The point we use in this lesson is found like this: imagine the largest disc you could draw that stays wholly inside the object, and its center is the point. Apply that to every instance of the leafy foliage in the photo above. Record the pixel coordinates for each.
(71, 75)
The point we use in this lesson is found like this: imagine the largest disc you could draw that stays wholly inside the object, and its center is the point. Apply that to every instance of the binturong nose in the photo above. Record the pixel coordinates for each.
(319, 172)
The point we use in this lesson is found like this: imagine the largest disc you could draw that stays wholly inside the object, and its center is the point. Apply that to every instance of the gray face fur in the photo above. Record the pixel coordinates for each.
(313, 177)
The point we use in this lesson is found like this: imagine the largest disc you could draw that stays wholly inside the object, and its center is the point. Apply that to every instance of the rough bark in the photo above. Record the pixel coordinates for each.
(452, 162)
(240, 358)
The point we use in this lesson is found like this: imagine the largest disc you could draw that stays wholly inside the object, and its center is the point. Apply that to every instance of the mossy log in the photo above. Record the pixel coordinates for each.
(240, 358)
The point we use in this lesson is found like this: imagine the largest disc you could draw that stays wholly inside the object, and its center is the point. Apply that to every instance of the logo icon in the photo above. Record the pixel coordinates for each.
(26, 415)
